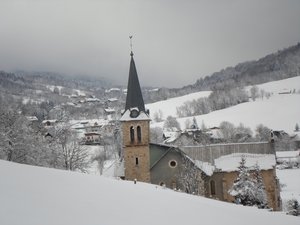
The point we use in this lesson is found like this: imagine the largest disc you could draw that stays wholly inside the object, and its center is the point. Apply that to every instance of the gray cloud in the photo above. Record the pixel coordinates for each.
(175, 42)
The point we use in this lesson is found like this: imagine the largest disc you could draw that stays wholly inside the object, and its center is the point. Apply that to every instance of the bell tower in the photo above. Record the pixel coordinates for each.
(135, 126)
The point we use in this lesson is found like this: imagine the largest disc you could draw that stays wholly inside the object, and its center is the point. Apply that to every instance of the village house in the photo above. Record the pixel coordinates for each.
(201, 170)
(288, 159)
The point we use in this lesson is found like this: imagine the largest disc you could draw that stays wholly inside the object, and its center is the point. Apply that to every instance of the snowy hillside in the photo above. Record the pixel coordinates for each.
(32, 195)
(168, 107)
(278, 112)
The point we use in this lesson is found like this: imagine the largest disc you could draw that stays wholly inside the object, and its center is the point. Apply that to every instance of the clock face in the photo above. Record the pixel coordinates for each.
(134, 113)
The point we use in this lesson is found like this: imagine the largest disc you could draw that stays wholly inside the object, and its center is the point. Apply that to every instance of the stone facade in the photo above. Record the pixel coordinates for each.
(219, 183)
(136, 150)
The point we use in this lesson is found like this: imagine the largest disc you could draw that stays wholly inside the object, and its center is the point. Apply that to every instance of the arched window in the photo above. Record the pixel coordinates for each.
(139, 133)
(212, 187)
(132, 134)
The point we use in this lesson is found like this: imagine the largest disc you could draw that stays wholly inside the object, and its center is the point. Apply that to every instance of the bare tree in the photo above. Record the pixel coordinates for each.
(262, 133)
(190, 177)
(171, 122)
(74, 155)
(158, 116)
(254, 91)
(156, 135)
(100, 158)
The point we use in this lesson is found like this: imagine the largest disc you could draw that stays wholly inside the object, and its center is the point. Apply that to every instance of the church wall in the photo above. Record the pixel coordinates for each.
(224, 181)
(164, 173)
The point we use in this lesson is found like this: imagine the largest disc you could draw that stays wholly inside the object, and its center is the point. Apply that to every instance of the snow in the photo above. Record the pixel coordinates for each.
(276, 87)
(109, 110)
(81, 124)
(279, 112)
(291, 181)
(168, 107)
(52, 87)
(141, 116)
(288, 154)
(112, 89)
(33, 196)
(206, 167)
(231, 162)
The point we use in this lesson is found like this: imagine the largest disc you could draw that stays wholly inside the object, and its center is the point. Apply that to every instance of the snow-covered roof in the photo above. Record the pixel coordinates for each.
(231, 162)
(81, 124)
(288, 154)
(32, 118)
(215, 133)
(109, 110)
(171, 139)
(113, 99)
(141, 116)
(92, 100)
(154, 90)
(206, 167)
(112, 89)
(49, 121)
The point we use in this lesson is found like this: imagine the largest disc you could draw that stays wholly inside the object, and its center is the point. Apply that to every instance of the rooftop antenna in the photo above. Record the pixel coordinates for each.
(130, 37)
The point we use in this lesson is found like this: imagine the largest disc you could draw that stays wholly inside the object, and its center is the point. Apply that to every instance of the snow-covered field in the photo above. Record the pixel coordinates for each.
(290, 179)
(32, 195)
(279, 112)
(168, 107)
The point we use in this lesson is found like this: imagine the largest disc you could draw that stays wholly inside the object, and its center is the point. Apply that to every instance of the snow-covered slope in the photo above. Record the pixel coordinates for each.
(289, 178)
(279, 112)
(279, 86)
(168, 107)
(34, 196)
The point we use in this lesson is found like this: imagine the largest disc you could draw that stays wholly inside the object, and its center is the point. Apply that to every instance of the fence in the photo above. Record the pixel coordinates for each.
(207, 153)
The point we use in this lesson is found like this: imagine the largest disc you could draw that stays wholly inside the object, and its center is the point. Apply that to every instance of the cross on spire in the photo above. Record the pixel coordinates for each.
(131, 53)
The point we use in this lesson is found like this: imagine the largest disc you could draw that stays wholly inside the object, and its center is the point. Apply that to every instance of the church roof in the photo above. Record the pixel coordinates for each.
(134, 97)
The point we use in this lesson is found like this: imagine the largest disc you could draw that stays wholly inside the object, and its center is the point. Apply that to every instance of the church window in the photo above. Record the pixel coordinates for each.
(139, 133)
(173, 163)
(162, 184)
(132, 134)
(174, 186)
(212, 187)
(136, 161)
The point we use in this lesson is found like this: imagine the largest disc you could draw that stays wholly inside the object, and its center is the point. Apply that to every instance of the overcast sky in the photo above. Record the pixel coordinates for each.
(174, 42)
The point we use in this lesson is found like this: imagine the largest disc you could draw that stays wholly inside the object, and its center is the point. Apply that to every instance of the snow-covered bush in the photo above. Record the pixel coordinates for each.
(292, 207)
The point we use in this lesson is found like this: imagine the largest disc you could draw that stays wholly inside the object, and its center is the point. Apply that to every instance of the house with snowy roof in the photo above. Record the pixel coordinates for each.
(220, 163)
(288, 159)
(204, 170)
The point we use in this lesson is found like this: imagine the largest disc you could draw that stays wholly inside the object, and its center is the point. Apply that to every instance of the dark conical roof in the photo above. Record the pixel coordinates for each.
(134, 97)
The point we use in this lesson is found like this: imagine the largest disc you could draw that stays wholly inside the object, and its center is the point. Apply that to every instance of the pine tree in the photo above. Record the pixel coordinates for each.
(195, 124)
(259, 189)
(243, 188)
(293, 207)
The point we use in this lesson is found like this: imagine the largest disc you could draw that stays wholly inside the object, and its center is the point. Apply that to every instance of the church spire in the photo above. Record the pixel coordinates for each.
(134, 97)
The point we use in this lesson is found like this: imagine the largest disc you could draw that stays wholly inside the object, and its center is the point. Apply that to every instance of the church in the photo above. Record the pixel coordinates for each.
(203, 170)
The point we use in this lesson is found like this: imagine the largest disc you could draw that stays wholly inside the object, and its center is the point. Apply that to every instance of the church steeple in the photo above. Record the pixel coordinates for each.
(134, 97)
(136, 129)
